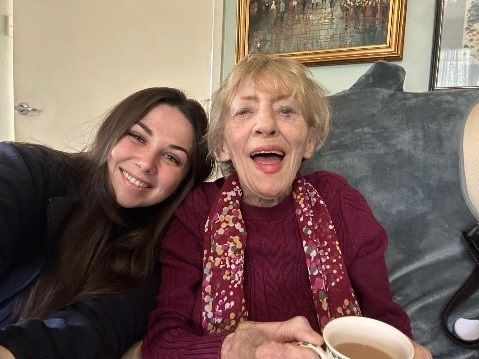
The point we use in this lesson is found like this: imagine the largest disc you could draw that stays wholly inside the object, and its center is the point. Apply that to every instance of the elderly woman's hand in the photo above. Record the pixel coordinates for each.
(421, 352)
(273, 339)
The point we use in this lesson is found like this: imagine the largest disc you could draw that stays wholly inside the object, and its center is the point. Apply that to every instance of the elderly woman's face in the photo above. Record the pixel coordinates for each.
(266, 138)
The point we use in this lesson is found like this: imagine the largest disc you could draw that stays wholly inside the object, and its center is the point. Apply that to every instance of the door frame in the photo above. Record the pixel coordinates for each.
(7, 128)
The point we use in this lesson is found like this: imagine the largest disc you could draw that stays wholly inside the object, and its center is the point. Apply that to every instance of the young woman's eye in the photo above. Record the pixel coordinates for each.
(173, 159)
(136, 136)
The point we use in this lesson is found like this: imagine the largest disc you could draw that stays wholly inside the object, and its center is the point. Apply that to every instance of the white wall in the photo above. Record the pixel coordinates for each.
(6, 73)
(75, 59)
(416, 56)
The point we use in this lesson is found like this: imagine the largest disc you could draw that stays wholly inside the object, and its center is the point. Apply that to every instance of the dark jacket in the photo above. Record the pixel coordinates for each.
(35, 200)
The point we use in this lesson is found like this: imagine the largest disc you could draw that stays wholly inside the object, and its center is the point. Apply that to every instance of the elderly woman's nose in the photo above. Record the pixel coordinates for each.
(266, 123)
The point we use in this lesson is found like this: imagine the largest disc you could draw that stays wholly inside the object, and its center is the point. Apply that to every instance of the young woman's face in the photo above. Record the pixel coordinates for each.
(149, 162)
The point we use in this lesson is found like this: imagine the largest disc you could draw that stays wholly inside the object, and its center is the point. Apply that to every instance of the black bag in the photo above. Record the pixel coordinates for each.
(470, 286)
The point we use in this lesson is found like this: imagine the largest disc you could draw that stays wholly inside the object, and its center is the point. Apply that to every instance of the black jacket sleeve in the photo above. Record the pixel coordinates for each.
(104, 327)
(28, 178)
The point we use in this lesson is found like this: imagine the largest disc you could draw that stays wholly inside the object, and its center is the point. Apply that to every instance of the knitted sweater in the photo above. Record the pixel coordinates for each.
(277, 285)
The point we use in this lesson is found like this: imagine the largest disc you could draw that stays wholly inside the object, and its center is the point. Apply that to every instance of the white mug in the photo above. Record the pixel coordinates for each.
(358, 332)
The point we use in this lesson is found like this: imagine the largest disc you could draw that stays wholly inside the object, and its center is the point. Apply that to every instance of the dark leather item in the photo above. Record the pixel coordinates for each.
(468, 288)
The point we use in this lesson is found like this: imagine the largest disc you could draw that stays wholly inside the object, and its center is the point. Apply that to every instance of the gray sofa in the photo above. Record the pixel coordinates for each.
(402, 150)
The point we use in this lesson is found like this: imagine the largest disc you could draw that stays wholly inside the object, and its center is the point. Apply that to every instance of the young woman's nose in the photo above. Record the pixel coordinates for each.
(146, 162)
(266, 123)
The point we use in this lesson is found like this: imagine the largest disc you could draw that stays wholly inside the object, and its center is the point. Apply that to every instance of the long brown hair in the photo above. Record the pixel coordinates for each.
(105, 248)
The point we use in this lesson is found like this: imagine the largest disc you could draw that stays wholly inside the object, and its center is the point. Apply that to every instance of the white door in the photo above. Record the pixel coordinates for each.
(74, 59)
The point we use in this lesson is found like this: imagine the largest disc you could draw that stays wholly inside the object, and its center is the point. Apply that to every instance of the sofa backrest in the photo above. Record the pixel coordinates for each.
(402, 150)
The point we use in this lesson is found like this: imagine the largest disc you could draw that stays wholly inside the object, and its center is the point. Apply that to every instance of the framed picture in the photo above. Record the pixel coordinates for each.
(322, 31)
(455, 58)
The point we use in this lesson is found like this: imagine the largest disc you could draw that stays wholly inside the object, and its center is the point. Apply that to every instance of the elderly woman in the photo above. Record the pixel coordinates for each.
(264, 257)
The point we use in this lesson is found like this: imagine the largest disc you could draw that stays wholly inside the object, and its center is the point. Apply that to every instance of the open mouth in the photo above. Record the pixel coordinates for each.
(267, 157)
(134, 181)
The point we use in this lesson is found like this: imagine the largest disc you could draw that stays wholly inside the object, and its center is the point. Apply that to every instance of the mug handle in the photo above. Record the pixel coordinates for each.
(320, 351)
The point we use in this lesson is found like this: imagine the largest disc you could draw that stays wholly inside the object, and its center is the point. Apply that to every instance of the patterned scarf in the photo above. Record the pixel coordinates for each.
(223, 261)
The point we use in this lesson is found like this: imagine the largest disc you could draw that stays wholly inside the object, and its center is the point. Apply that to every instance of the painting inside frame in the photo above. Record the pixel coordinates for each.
(322, 31)
(456, 49)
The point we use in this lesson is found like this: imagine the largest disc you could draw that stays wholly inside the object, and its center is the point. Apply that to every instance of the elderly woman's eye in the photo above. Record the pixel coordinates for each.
(242, 111)
(287, 110)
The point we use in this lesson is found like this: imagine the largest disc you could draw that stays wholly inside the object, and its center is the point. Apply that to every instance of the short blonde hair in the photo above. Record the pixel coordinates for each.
(272, 73)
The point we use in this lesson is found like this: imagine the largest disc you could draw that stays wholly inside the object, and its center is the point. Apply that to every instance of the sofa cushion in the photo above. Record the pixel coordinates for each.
(402, 150)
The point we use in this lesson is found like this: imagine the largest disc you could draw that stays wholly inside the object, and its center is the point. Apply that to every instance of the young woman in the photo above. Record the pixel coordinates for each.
(80, 232)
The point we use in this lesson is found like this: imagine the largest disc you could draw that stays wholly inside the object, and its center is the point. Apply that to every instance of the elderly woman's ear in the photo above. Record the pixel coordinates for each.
(222, 153)
(311, 144)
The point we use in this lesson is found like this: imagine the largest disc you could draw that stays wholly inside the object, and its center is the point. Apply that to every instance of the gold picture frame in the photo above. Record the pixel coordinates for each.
(322, 31)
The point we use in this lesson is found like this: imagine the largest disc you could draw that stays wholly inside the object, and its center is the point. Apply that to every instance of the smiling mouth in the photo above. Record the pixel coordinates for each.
(134, 181)
(268, 162)
(267, 156)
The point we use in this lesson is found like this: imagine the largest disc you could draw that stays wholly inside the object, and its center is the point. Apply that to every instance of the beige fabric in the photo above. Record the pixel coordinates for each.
(134, 352)
(471, 159)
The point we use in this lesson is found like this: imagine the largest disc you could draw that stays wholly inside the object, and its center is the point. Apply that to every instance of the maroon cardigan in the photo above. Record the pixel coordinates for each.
(277, 285)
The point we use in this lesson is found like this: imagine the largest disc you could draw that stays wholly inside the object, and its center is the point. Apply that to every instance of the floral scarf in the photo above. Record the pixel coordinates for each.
(224, 249)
